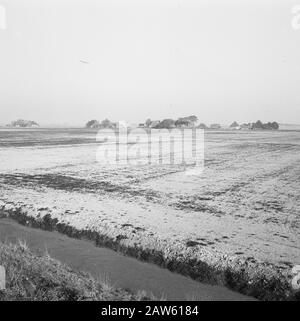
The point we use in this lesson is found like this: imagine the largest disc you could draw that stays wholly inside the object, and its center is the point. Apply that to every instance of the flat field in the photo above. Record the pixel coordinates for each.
(237, 224)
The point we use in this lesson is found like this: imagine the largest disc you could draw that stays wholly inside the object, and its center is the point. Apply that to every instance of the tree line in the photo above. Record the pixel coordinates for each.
(183, 122)
(189, 121)
(23, 123)
(256, 126)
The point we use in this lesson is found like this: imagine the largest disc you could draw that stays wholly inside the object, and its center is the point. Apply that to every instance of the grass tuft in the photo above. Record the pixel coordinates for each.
(33, 277)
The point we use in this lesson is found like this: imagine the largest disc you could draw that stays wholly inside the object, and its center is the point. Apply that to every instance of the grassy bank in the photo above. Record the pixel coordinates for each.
(32, 276)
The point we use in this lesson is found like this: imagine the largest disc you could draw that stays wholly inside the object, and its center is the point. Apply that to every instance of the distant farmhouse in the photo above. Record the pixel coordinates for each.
(154, 123)
(245, 126)
(215, 126)
(168, 123)
(21, 123)
(255, 126)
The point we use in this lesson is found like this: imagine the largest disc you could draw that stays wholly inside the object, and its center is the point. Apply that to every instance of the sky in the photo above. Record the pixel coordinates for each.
(221, 60)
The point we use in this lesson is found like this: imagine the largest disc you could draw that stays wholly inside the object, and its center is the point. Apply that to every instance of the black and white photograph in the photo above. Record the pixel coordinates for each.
(149, 151)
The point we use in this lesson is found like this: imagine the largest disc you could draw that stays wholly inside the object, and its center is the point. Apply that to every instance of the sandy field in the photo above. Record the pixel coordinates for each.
(237, 224)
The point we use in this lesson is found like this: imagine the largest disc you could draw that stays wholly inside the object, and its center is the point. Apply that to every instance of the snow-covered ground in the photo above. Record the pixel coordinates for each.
(245, 204)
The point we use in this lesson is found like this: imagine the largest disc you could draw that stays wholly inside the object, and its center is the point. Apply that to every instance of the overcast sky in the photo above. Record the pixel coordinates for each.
(220, 60)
